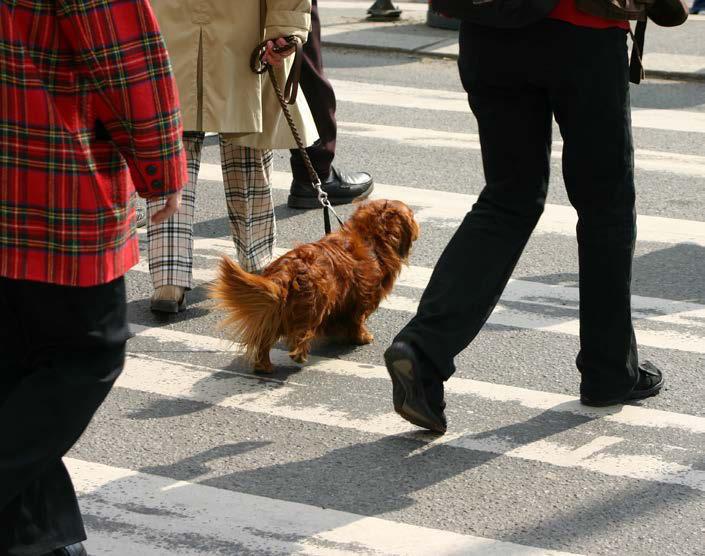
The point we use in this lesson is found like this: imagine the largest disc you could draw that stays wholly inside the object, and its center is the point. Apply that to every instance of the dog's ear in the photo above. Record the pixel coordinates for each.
(400, 229)
(407, 237)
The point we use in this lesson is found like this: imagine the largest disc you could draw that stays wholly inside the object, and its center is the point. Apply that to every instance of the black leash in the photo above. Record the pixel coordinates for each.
(287, 98)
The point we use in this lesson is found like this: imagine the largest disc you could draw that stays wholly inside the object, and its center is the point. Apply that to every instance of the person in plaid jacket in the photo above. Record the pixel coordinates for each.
(88, 115)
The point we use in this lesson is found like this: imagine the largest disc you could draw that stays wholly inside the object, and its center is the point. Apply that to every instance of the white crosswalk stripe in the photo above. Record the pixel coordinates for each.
(452, 101)
(451, 207)
(244, 523)
(645, 159)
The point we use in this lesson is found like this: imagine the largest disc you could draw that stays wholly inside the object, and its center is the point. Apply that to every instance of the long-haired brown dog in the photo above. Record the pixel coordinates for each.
(329, 287)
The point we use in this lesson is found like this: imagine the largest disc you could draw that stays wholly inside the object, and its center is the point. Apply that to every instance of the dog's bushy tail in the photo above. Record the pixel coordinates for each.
(253, 306)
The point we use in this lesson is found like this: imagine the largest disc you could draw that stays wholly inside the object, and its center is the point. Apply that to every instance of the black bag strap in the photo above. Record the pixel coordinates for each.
(636, 65)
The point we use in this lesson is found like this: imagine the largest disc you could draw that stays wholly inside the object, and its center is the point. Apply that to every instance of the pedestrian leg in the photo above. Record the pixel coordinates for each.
(592, 107)
(171, 242)
(514, 119)
(341, 187)
(321, 100)
(247, 176)
(61, 374)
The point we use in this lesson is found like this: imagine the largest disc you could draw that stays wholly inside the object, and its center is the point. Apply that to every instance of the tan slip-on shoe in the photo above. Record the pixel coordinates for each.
(168, 299)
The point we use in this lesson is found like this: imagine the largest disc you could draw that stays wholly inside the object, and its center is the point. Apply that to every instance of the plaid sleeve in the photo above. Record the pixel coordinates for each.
(121, 48)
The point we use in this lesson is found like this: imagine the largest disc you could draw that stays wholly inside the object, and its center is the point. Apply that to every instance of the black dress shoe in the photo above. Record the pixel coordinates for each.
(649, 384)
(72, 550)
(417, 391)
(341, 188)
(383, 10)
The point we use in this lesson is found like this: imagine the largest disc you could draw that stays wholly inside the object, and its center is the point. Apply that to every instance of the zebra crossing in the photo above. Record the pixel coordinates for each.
(194, 454)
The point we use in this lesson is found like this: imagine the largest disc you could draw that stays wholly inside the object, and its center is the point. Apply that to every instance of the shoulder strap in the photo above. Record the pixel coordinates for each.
(636, 65)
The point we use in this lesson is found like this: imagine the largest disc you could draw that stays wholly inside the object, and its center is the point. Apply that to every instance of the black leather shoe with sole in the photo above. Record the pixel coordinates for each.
(417, 392)
(383, 10)
(341, 189)
(72, 550)
(650, 383)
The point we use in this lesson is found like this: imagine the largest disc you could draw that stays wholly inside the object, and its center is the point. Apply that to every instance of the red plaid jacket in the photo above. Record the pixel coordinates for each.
(88, 113)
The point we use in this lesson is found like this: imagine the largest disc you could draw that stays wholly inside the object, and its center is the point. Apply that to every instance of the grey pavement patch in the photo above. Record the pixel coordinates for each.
(172, 543)
(546, 310)
(345, 548)
(373, 41)
(146, 510)
(676, 63)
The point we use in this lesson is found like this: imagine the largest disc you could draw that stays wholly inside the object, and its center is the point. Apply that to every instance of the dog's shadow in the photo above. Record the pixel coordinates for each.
(238, 385)
(328, 347)
(227, 386)
(284, 366)
(333, 346)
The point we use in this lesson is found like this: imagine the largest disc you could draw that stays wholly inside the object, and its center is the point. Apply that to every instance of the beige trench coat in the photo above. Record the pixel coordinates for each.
(222, 94)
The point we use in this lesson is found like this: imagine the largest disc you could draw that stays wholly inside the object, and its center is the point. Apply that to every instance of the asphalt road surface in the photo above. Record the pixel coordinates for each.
(192, 454)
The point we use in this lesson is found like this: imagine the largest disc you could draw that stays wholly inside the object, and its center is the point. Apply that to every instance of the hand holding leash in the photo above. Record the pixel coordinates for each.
(277, 50)
(260, 63)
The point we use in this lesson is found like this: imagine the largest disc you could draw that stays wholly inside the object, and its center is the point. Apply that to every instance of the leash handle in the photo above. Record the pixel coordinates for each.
(259, 66)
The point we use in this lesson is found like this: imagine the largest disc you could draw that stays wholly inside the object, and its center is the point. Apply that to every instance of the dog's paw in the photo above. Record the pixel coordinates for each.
(298, 357)
(364, 338)
(263, 368)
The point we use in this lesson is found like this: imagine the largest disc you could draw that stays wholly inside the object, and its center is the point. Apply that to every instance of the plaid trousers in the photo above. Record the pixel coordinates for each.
(247, 177)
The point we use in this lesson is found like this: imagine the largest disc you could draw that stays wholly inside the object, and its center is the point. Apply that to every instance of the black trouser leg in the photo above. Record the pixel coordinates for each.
(514, 119)
(321, 100)
(66, 347)
(591, 104)
(44, 516)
